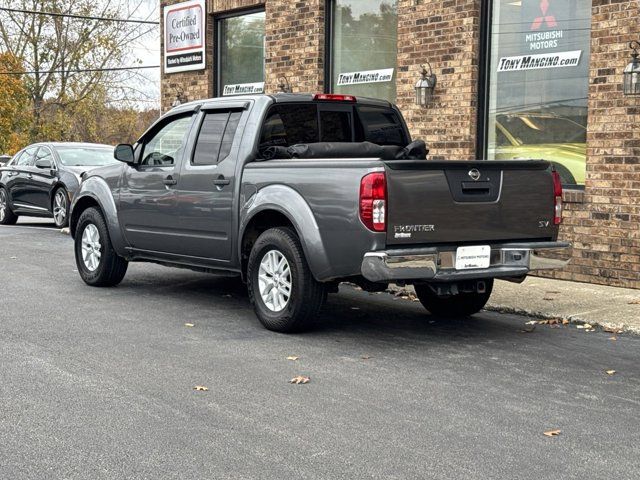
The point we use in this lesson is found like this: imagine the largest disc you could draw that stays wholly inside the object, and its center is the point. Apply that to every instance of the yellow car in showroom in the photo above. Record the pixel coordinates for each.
(557, 139)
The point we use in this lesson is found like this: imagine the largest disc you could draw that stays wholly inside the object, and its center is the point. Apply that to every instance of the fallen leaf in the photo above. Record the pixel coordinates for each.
(634, 302)
(293, 358)
(565, 322)
(300, 380)
(549, 299)
(552, 433)
(14, 258)
(613, 338)
(201, 388)
(543, 322)
(532, 322)
(611, 372)
(365, 357)
(66, 231)
(586, 326)
(189, 325)
(611, 330)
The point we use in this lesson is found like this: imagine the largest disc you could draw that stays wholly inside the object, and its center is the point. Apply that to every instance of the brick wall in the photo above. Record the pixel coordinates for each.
(295, 44)
(446, 33)
(605, 228)
(603, 222)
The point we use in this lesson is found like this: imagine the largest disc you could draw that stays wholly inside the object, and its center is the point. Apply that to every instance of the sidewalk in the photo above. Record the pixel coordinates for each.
(542, 298)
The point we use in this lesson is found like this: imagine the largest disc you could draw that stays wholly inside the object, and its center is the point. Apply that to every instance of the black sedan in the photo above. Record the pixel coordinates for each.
(41, 179)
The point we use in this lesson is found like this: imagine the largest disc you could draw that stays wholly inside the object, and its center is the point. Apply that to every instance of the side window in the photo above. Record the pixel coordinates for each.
(15, 159)
(166, 145)
(382, 126)
(215, 137)
(28, 158)
(44, 154)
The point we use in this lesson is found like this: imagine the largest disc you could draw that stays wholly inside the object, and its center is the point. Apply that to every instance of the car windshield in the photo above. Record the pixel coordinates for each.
(86, 156)
(536, 130)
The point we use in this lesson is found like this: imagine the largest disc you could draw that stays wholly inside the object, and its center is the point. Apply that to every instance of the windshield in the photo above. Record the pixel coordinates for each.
(86, 156)
(532, 130)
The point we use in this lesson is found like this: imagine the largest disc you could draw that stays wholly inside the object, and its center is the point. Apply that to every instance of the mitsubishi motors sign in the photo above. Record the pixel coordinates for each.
(184, 31)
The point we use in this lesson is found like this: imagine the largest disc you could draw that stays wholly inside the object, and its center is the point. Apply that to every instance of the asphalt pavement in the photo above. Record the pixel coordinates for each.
(99, 384)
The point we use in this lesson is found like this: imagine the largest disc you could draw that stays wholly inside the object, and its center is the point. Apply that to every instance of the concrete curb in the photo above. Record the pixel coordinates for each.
(537, 314)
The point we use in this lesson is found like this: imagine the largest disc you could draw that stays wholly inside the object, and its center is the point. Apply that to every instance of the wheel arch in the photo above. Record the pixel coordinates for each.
(281, 206)
(94, 192)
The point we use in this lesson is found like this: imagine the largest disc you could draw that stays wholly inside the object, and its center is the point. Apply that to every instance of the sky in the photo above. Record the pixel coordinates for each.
(147, 50)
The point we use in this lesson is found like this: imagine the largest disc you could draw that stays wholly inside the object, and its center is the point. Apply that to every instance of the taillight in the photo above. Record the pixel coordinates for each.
(557, 195)
(332, 97)
(373, 201)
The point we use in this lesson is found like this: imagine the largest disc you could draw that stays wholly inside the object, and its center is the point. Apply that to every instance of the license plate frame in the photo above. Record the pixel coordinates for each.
(473, 257)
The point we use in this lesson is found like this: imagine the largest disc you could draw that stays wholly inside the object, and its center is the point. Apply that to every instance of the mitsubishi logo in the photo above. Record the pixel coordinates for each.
(475, 174)
(550, 20)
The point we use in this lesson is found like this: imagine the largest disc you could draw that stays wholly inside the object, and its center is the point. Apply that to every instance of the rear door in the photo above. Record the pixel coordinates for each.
(447, 202)
(208, 182)
(20, 188)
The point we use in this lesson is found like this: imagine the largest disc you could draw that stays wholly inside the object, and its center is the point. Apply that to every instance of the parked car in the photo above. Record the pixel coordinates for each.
(543, 135)
(296, 193)
(4, 159)
(41, 179)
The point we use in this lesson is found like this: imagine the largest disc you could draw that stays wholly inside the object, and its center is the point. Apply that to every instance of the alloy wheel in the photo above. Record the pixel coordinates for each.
(3, 205)
(91, 247)
(59, 207)
(274, 281)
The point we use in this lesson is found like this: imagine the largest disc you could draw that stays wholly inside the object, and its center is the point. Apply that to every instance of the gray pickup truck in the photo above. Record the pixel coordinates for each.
(296, 193)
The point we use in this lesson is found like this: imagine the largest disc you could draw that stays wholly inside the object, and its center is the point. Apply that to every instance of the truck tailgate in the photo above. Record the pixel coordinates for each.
(446, 202)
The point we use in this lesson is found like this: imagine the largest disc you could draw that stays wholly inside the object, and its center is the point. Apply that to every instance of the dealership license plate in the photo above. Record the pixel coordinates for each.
(468, 258)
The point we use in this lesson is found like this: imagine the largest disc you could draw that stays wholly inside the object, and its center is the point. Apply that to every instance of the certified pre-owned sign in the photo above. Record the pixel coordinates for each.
(184, 27)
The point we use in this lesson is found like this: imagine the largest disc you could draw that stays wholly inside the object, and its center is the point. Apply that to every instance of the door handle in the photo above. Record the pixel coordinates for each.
(221, 181)
(169, 181)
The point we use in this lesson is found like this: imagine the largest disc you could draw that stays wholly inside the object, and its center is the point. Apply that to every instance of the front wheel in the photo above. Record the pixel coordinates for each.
(60, 208)
(284, 294)
(7, 217)
(463, 304)
(98, 263)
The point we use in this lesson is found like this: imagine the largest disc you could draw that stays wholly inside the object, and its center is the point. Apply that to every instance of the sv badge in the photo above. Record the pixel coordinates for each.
(544, 224)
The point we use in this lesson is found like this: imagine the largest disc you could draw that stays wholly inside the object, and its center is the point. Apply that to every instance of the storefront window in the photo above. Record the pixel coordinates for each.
(364, 48)
(241, 54)
(539, 76)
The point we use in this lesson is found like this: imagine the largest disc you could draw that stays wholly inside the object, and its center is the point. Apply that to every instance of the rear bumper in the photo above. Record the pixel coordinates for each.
(438, 264)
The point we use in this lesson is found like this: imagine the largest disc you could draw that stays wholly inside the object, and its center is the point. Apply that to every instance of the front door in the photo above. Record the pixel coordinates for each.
(148, 198)
(207, 184)
(21, 187)
(42, 181)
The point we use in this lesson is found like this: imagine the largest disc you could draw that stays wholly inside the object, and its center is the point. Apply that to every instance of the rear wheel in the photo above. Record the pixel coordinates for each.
(60, 208)
(284, 294)
(463, 304)
(98, 263)
(7, 217)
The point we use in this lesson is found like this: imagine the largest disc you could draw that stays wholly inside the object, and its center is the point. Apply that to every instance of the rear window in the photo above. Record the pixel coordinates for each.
(291, 124)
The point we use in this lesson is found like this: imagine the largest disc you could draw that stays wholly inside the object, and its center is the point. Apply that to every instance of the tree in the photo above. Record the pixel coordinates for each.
(14, 107)
(55, 48)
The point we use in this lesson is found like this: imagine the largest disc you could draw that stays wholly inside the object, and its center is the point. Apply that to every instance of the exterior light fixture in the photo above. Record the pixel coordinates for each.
(632, 72)
(425, 86)
(180, 98)
(283, 84)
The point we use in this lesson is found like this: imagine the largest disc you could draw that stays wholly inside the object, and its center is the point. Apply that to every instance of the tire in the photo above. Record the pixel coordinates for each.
(278, 312)
(7, 217)
(460, 305)
(106, 269)
(60, 207)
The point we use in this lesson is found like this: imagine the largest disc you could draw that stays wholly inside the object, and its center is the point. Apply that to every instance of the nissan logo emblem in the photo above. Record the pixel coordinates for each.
(475, 174)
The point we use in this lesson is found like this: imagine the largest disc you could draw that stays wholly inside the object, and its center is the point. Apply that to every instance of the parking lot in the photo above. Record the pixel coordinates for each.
(99, 383)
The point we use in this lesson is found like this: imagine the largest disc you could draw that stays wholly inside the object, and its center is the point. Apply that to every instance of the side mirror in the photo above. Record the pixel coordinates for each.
(44, 163)
(124, 153)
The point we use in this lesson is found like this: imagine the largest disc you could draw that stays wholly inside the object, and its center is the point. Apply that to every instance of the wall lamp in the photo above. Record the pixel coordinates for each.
(283, 85)
(632, 71)
(425, 86)
(180, 98)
